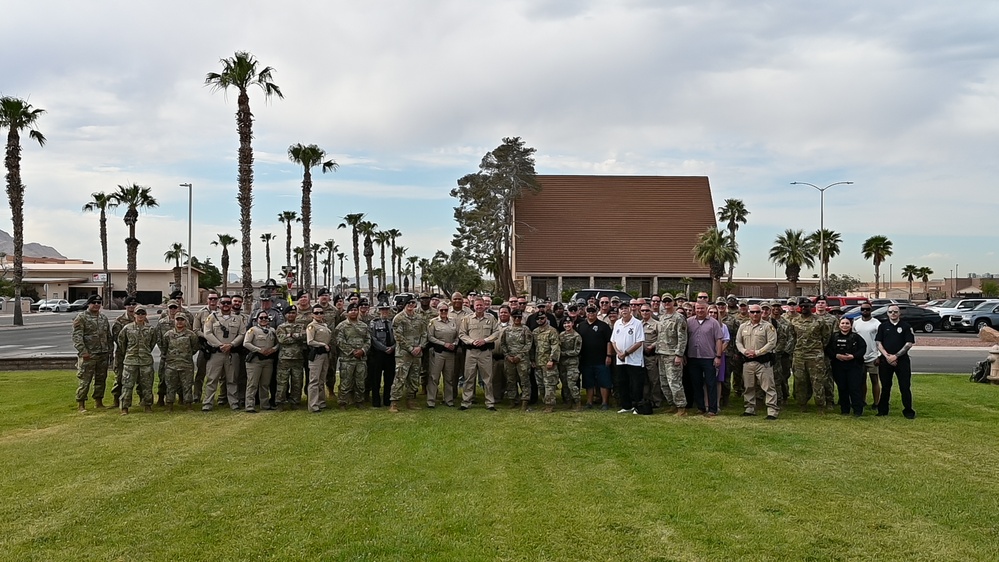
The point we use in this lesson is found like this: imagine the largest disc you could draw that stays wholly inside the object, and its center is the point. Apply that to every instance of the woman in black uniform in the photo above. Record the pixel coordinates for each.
(846, 351)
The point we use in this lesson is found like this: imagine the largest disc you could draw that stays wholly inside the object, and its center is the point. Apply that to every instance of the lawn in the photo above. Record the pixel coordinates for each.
(448, 485)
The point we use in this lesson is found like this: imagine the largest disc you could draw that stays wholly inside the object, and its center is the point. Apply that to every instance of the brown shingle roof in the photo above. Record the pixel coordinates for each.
(573, 226)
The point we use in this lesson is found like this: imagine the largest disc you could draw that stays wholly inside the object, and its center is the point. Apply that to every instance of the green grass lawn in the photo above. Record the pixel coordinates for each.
(448, 485)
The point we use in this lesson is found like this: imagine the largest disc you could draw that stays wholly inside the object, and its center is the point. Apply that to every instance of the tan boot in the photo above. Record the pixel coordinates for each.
(99, 403)
(549, 409)
(524, 406)
(394, 407)
(411, 405)
(81, 406)
(147, 409)
(578, 407)
(681, 412)
(124, 411)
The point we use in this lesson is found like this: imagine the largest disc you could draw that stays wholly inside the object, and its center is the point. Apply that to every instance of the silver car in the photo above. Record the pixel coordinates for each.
(53, 305)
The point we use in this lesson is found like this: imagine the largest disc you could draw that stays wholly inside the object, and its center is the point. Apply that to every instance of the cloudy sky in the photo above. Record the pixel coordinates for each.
(900, 97)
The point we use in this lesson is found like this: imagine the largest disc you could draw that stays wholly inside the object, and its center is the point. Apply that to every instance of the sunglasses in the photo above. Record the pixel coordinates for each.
(263, 318)
(140, 312)
(702, 296)
(756, 312)
(894, 311)
(866, 309)
(213, 298)
(226, 303)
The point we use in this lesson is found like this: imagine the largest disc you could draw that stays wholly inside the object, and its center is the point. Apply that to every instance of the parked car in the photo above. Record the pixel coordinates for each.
(37, 304)
(985, 315)
(52, 305)
(585, 294)
(935, 302)
(952, 307)
(78, 304)
(921, 319)
(886, 302)
(843, 302)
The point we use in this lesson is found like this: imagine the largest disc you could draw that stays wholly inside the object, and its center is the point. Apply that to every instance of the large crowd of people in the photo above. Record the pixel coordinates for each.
(666, 354)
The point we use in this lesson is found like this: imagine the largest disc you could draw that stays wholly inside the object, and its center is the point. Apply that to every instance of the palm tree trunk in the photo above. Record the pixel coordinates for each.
(15, 192)
(731, 264)
(133, 249)
(395, 279)
(105, 292)
(357, 260)
(306, 230)
(877, 281)
(244, 123)
(287, 246)
(267, 254)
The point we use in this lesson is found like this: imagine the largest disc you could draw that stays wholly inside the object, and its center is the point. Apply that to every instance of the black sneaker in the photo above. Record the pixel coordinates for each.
(463, 408)
(748, 414)
(491, 408)
(771, 418)
(910, 415)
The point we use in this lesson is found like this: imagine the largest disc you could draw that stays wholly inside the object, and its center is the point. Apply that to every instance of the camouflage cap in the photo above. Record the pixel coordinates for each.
(793, 301)
(172, 304)
(424, 295)
(731, 297)
(743, 302)
(443, 306)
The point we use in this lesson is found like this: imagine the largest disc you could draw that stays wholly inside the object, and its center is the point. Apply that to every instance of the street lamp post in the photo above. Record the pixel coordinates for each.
(190, 208)
(822, 228)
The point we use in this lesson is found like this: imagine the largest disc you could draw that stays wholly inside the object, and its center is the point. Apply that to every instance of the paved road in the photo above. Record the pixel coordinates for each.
(48, 333)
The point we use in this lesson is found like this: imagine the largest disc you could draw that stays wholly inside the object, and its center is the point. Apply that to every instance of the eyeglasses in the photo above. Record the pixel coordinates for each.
(646, 310)
(756, 312)
(226, 303)
(702, 296)
(319, 312)
(894, 311)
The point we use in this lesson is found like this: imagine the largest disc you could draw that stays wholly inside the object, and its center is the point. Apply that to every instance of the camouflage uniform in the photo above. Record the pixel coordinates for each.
(672, 343)
(830, 383)
(291, 339)
(177, 350)
(410, 332)
(332, 316)
(138, 342)
(653, 388)
(259, 368)
(782, 361)
(164, 325)
(547, 348)
(351, 336)
(201, 365)
(570, 344)
(318, 336)
(119, 352)
(515, 343)
(91, 335)
(439, 333)
(811, 336)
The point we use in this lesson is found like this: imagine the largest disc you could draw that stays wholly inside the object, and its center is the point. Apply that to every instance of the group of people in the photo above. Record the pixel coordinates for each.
(664, 352)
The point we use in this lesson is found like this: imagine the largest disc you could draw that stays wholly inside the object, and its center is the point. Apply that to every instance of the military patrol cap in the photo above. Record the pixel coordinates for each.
(172, 304)
(615, 299)
(793, 301)
(96, 299)
(289, 310)
(680, 297)
(581, 302)
(352, 306)
(731, 297)
(743, 302)
(176, 294)
(766, 304)
(720, 302)
(139, 309)
(667, 297)
(323, 291)
(443, 306)
(424, 295)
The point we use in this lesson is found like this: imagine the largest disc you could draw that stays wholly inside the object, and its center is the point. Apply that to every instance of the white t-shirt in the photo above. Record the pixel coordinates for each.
(867, 330)
(626, 335)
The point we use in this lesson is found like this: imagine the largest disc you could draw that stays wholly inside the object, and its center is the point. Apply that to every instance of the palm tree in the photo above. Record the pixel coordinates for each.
(102, 202)
(424, 266)
(397, 253)
(831, 241)
(910, 272)
(326, 271)
(266, 239)
(175, 254)
(353, 220)
(393, 234)
(225, 241)
(17, 115)
(135, 197)
(714, 249)
(368, 229)
(340, 257)
(924, 275)
(732, 213)
(297, 251)
(413, 261)
(288, 217)
(315, 259)
(877, 248)
(792, 250)
(308, 156)
(382, 237)
(329, 249)
(242, 71)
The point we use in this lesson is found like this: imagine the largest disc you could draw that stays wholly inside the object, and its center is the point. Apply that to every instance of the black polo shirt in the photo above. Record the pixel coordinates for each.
(893, 337)
(595, 336)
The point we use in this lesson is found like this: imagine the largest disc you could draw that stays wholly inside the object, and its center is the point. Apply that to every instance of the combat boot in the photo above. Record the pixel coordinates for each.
(394, 407)
(524, 406)
(117, 402)
(124, 411)
(578, 407)
(99, 403)
(147, 409)
(81, 406)
(411, 405)
(548, 409)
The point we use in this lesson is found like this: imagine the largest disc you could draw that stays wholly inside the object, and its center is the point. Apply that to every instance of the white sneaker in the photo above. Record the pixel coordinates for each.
(634, 411)
(624, 411)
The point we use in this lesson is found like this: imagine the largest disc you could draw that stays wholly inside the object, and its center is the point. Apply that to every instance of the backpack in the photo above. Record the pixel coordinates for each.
(981, 371)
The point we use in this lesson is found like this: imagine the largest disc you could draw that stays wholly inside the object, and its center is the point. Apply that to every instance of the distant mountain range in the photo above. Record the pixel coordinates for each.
(31, 249)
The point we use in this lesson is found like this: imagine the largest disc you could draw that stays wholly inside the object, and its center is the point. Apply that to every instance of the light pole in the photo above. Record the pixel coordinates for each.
(822, 228)
(190, 207)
